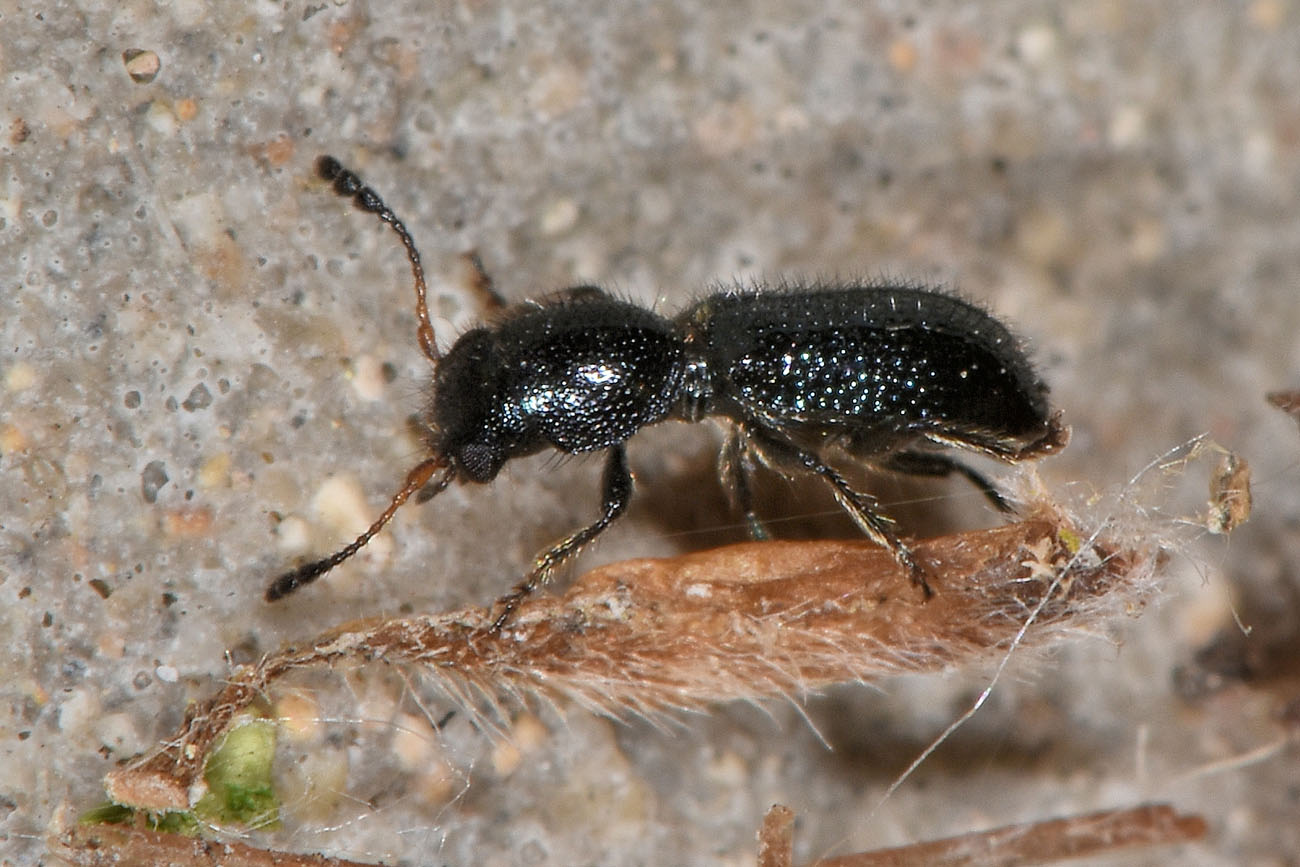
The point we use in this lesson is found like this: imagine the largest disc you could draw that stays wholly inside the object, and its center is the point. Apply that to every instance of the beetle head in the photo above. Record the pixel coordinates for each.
(469, 414)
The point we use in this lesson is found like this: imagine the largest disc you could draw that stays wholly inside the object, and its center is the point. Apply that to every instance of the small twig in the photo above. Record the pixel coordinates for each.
(1039, 842)
(749, 621)
(117, 845)
(776, 838)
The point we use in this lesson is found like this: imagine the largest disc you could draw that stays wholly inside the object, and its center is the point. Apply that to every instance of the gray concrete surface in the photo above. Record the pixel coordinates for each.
(197, 340)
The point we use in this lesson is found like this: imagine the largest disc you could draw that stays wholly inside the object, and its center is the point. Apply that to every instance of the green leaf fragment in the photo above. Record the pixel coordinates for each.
(239, 789)
(238, 774)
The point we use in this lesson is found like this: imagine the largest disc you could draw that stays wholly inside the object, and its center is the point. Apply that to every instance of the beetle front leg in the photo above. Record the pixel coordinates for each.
(617, 487)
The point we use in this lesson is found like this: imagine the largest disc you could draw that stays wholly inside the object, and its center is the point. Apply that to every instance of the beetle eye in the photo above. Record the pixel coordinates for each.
(480, 461)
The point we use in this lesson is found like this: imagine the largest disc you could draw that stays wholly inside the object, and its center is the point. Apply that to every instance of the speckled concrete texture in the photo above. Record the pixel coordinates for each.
(208, 366)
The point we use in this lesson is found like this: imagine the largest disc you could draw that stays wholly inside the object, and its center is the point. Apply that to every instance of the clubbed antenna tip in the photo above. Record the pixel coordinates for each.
(348, 184)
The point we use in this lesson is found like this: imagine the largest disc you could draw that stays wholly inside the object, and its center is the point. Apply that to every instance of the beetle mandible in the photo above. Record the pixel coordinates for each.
(885, 371)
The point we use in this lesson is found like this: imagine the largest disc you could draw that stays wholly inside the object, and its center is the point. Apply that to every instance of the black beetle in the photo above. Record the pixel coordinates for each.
(883, 371)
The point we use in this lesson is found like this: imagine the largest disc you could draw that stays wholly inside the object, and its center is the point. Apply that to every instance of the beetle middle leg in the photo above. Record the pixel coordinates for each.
(617, 487)
(862, 508)
(736, 472)
(489, 300)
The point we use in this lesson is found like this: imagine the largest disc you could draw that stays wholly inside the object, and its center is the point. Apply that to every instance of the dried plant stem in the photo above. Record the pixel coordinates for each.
(747, 621)
(113, 845)
(1040, 842)
(776, 838)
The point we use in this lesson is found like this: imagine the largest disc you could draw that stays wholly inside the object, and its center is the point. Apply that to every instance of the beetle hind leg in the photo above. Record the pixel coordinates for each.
(912, 463)
(862, 508)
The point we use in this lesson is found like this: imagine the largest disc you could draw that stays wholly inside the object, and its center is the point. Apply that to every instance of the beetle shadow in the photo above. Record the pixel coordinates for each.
(870, 741)
(684, 498)
(858, 741)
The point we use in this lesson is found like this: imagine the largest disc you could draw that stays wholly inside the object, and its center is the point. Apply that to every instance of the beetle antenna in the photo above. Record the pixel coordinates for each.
(348, 184)
(415, 480)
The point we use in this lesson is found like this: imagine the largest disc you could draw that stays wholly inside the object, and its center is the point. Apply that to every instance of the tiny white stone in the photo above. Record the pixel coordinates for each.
(559, 217)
